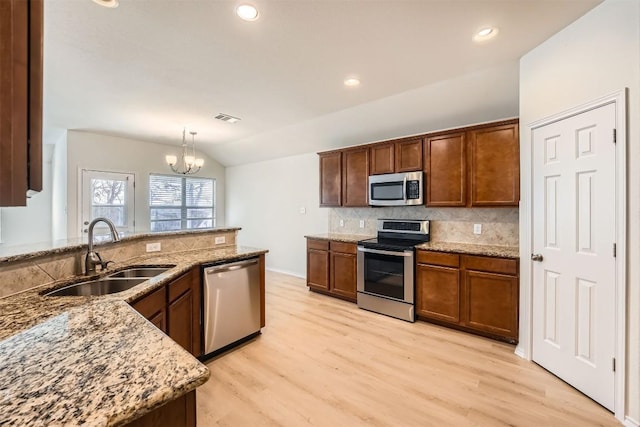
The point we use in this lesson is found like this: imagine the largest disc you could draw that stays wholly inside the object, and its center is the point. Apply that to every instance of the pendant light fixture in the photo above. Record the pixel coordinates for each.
(188, 164)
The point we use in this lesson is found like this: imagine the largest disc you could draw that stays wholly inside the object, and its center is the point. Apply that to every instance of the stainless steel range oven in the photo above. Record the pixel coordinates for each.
(386, 268)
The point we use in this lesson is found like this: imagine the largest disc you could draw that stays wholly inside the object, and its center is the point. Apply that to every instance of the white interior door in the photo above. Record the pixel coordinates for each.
(574, 226)
(110, 195)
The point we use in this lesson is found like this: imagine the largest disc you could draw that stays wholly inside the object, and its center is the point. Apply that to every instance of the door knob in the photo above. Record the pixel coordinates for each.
(536, 257)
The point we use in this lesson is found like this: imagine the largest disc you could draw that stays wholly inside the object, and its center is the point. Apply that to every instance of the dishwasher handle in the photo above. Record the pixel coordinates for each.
(231, 267)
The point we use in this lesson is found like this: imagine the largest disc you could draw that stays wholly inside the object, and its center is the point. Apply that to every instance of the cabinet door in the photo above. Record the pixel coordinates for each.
(180, 412)
(331, 179)
(153, 308)
(318, 269)
(446, 170)
(491, 303)
(183, 311)
(438, 293)
(20, 100)
(343, 274)
(382, 157)
(409, 155)
(495, 166)
(355, 175)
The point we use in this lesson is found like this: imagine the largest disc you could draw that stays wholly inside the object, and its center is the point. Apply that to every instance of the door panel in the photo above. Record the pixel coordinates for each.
(574, 230)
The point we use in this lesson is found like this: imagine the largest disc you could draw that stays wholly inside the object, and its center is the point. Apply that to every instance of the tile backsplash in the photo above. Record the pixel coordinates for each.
(499, 225)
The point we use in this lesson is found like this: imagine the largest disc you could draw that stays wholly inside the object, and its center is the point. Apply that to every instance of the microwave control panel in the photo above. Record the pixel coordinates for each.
(413, 190)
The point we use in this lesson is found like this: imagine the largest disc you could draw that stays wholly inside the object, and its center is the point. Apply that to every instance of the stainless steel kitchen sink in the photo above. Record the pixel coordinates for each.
(140, 272)
(97, 287)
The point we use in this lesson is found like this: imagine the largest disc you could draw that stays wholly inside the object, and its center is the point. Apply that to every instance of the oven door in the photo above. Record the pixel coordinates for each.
(387, 274)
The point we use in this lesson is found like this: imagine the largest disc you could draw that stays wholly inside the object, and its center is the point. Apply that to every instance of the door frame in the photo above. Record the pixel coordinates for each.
(525, 345)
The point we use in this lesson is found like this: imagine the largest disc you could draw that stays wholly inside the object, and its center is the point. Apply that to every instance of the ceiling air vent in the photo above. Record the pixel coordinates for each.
(226, 118)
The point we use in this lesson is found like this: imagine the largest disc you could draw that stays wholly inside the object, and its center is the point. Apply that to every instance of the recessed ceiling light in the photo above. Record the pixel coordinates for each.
(351, 82)
(485, 33)
(246, 12)
(107, 3)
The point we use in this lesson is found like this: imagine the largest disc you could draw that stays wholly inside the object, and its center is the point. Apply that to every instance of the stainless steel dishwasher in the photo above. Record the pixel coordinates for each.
(231, 304)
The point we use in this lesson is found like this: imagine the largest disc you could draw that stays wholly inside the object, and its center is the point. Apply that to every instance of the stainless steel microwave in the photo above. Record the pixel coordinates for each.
(396, 189)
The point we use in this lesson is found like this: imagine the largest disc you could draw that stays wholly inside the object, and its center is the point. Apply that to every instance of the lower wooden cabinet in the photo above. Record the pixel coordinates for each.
(331, 268)
(180, 412)
(175, 310)
(474, 293)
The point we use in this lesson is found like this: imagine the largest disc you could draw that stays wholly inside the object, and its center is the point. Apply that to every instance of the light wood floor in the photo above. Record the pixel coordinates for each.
(324, 362)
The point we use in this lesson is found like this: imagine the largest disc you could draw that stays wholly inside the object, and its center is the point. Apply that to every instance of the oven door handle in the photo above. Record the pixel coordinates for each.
(392, 253)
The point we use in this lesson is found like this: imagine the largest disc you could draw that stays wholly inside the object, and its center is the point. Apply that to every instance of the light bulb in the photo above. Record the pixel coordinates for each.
(199, 162)
(189, 160)
(171, 160)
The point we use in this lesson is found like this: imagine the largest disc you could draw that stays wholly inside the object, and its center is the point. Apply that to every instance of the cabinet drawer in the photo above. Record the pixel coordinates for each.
(438, 258)
(491, 265)
(346, 248)
(180, 286)
(321, 245)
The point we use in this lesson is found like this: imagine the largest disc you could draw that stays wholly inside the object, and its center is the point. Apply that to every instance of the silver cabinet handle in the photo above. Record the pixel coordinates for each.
(231, 267)
(537, 257)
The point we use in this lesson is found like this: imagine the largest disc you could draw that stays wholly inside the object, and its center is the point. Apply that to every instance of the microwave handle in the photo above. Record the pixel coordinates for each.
(404, 188)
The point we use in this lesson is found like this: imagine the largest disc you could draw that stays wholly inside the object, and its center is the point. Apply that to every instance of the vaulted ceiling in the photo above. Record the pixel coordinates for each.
(148, 67)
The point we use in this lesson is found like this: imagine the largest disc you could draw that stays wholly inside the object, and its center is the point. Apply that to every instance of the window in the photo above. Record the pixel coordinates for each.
(179, 202)
(109, 195)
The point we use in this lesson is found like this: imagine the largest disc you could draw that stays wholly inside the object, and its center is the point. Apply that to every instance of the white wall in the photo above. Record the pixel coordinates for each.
(59, 189)
(108, 153)
(31, 223)
(595, 56)
(265, 199)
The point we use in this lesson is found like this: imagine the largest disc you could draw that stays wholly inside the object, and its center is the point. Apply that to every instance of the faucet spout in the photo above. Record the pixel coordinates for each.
(93, 258)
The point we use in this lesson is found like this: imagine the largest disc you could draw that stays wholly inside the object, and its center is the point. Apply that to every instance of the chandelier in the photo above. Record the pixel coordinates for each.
(188, 165)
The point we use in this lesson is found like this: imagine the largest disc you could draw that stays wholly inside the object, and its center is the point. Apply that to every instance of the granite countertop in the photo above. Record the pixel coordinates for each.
(94, 360)
(472, 249)
(35, 250)
(340, 237)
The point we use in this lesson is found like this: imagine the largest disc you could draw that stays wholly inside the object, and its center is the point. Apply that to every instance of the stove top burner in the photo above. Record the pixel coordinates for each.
(398, 235)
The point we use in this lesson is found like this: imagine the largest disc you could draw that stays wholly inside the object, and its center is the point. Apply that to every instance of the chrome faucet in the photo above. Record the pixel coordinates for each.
(93, 258)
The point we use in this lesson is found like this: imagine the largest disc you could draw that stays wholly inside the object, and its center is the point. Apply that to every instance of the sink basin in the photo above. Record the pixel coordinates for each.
(97, 287)
(140, 272)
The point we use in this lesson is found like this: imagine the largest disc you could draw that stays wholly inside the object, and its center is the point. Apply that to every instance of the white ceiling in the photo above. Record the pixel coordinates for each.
(148, 67)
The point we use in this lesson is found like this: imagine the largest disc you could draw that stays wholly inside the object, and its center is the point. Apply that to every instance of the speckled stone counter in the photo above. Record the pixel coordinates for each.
(339, 237)
(466, 248)
(94, 360)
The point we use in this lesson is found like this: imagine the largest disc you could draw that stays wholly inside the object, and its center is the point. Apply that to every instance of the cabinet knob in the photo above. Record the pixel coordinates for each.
(537, 257)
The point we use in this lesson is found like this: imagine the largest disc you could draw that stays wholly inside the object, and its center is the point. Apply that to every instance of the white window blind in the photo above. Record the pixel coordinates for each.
(179, 203)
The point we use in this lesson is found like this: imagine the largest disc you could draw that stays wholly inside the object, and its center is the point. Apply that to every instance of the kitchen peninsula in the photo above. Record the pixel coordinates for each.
(94, 360)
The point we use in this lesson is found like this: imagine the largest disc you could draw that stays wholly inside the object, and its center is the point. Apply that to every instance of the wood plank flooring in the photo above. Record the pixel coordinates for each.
(324, 362)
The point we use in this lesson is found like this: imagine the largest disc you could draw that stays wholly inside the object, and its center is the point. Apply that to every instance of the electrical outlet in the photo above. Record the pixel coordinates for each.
(303, 210)
(362, 223)
(342, 223)
(154, 247)
(477, 228)
(220, 240)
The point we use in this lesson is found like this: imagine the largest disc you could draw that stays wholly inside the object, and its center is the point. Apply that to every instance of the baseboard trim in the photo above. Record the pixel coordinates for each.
(628, 422)
(520, 352)
(290, 273)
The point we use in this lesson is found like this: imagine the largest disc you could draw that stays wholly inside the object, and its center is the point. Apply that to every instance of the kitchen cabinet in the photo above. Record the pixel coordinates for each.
(331, 179)
(404, 155)
(355, 176)
(175, 310)
(331, 268)
(446, 170)
(21, 25)
(494, 166)
(180, 412)
(474, 293)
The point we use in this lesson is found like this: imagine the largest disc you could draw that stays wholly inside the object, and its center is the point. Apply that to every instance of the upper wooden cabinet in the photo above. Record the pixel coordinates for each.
(445, 167)
(20, 100)
(409, 155)
(400, 156)
(382, 158)
(331, 179)
(494, 166)
(343, 177)
(355, 175)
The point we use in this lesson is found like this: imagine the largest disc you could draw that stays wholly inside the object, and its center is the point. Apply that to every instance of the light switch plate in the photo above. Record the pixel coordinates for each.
(477, 228)
(220, 240)
(303, 210)
(154, 247)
